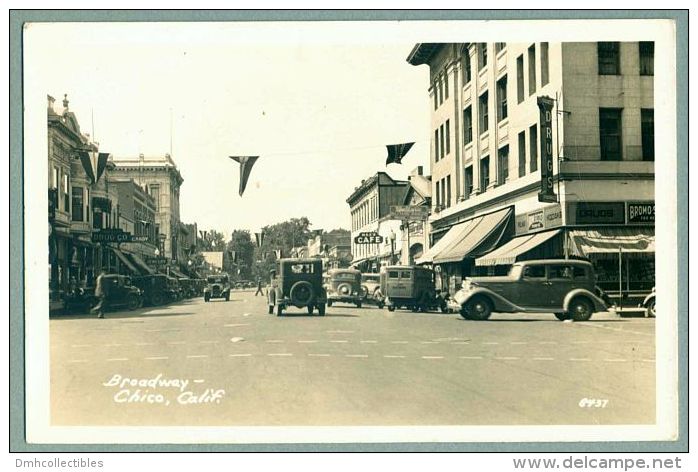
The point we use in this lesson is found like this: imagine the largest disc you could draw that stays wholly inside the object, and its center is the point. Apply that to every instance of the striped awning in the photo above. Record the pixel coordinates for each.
(474, 237)
(122, 257)
(177, 273)
(507, 254)
(611, 240)
(145, 268)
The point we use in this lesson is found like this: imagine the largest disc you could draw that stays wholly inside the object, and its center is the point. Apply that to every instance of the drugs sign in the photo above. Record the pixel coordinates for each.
(368, 238)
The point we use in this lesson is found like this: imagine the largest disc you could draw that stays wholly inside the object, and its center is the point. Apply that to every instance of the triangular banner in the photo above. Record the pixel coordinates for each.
(396, 152)
(94, 164)
(260, 238)
(246, 163)
(277, 253)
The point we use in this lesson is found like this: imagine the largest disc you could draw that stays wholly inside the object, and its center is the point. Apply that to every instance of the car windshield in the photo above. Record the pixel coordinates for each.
(217, 280)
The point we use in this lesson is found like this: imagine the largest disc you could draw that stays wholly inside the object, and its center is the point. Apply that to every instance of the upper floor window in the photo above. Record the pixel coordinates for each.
(66, 192)
(446, 84)
(520, 78)
(533, 147)
(483, 112)
(468, 125)
(155, 193)
(481, 55)
(498, 47)
(448, 137)
(532, 69)
(502, 98)
(610, 134)
(442, 147)
(647, 58)
(78, 203)
(609, 58)
(484, 173)
(503, 165)
(436, 96)
(468, 181)
(448, 191)
(544, 65)
(467, 69)
(438, 193)
(647, 125)
(441, 89)
(522, 153)
(436, 145)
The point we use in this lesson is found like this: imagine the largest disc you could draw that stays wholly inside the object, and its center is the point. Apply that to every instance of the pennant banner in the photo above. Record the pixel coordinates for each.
(246, 163)
(277, 253)
(260, 238)
(396, 152)
(94, 164)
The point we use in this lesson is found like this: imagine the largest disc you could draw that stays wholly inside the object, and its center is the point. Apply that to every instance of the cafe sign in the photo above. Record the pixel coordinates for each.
(539, 220)
(640, 212)
(368, 238)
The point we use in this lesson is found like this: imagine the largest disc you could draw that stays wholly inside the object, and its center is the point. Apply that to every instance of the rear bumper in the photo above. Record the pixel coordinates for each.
(345, 298)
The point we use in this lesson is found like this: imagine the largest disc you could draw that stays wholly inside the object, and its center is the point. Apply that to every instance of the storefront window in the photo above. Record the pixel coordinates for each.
(78, 202)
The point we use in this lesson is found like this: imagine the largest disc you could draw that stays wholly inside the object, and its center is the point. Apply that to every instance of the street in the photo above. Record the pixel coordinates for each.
(230, 363)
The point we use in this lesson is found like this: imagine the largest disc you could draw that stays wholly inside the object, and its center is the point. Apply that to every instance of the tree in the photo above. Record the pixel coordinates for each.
(213, 241)
(243, 248)
(287, 234)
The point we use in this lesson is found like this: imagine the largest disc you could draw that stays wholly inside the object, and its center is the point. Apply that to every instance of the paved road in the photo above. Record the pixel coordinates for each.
(352, 367)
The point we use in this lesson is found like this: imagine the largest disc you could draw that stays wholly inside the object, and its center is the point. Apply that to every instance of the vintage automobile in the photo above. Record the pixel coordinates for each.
(371, 284)
(565, 288)
(121, 293)
(411, 287)
(155, 289)
(188, 287)
(81, 300)
(297, 282)
(174, 290)
(344, 285)
(649, 303)
(217, 286)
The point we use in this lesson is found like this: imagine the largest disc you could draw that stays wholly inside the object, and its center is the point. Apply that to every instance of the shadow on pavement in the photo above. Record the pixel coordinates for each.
(140, 313)
(315, 315)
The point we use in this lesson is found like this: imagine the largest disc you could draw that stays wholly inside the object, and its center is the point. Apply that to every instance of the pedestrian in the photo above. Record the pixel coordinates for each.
(102, 293)
(259, 287)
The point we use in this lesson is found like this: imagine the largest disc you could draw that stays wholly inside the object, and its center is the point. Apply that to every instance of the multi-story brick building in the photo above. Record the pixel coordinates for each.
(491, 147)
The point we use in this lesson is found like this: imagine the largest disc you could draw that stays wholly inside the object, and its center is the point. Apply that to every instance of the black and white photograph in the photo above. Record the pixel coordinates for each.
(363, 232)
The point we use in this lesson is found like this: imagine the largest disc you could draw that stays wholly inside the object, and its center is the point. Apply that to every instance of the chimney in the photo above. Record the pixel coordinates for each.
(65, 103)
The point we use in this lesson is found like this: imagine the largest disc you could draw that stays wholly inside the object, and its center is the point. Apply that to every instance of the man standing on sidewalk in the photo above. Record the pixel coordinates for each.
(101, 293)
(259, 287)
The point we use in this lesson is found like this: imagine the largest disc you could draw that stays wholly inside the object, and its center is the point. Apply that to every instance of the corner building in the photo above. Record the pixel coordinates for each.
(488, 158)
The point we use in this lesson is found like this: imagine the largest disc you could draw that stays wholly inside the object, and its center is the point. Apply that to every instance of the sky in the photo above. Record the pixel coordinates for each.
(318, 109)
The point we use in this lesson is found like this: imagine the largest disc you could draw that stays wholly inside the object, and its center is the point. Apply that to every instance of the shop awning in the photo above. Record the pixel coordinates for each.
(120, 255)
(507, 254)
(472, 238)
(145, 268)
(177, 273)
(611, 240)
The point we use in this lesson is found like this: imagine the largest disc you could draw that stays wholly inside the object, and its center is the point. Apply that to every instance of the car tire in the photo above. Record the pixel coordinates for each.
(271, 309)
(133, 303)
(227, 297)
(157, 299)
(479, 308)
(301, 293)
(381, 305)
(279, 310)
(562, 316)
(580, 309)
(391, 307)
(310, 309)
(329, 302)
(321, 309)
(358, 305)
(650, 310)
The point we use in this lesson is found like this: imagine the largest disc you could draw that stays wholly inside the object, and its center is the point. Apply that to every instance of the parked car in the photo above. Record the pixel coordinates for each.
(649, 303)
(299, 283)
(174, 290)
(411, 287)
(121, 293)
(155, 288)
(217, 286)
(188, 287)
(565, 288)
(371, 284)
(79, 301)
(344, 285)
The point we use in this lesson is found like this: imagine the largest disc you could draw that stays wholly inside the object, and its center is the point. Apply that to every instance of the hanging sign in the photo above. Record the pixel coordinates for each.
(368, 238)
(547, 190)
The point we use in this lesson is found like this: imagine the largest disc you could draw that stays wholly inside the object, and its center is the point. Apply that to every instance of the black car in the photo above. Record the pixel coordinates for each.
(217, 286)
(299, 284)
(154, 287)
(121, 293)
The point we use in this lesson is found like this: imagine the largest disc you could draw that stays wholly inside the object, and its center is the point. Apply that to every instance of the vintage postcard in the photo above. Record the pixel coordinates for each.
(350, 232)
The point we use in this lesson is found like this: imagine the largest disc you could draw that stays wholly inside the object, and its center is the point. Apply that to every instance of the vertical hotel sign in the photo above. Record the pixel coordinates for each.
(547, 190)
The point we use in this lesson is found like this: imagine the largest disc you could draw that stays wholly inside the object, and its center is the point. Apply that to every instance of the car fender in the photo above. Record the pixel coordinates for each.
(599, 305)
(648, 299)
(500, 303)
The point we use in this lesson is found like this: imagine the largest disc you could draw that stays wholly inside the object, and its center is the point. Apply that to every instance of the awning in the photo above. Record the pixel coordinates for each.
(120, 255)
(145, 268)
(508, 253)
(177, 273)
(611, 240)
(472, 238)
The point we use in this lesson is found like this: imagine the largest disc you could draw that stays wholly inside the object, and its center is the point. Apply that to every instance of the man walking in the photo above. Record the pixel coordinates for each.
(101, 293)
(259, 287)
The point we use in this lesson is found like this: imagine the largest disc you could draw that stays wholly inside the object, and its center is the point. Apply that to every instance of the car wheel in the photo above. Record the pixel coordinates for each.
(650, 310)
(157, 299)
(358, 304)
(271, 309)
(381, 305)
(562, 316)
(310, 309)
(279, 310)
(227, 297)
(479, 308)
(133, 303)
(580, 309)
(391, 307)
